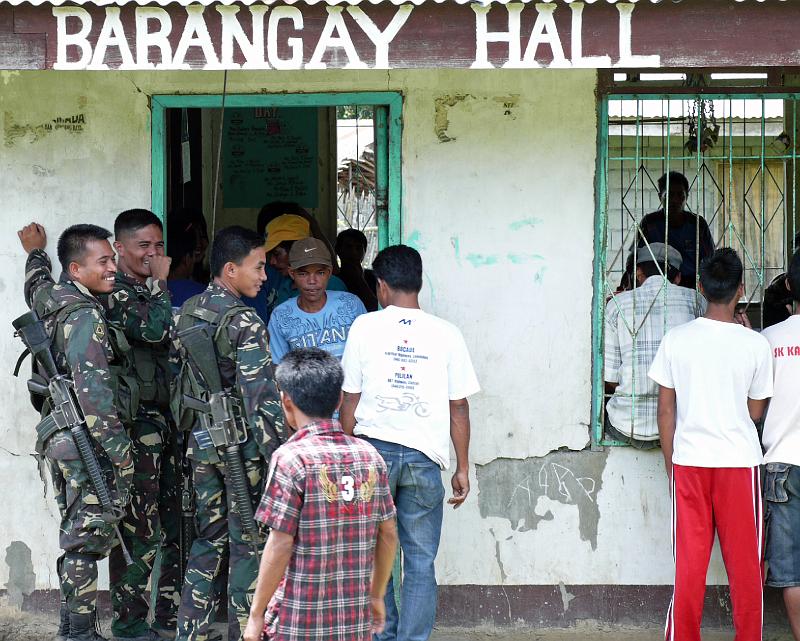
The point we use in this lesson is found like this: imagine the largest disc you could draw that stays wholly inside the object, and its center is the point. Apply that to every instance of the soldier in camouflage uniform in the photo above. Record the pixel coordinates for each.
(242, 356)
(74, 319)
(140, 306)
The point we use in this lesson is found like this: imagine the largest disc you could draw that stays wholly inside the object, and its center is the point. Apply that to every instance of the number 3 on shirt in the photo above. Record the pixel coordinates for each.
(348, 487)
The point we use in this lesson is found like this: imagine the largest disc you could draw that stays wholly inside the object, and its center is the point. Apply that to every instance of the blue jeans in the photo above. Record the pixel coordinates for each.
(418, 493)
(782, 522)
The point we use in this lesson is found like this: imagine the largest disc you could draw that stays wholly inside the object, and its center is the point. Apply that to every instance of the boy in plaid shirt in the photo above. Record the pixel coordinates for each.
(333, 538)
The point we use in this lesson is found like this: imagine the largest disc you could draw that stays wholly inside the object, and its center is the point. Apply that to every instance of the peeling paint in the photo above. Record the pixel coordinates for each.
(503, 575)
(7, 76)
(519, 259)
(532, 221)
(21, 578)
(482, 260)
(566, 596)
(454, 241)
(414, 240)
(74, 123)
(511, 488)
(442, 106)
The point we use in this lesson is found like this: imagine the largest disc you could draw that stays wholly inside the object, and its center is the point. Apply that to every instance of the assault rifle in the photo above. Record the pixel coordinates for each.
(220, 418)
(66, 414)
(187, 505)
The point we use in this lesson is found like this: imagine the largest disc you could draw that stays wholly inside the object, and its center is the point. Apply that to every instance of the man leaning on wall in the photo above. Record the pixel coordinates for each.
(84, 353)
(407, 378)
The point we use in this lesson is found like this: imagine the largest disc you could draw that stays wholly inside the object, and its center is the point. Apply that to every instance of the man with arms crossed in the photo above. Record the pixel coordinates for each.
(781, 439)
(333, 536)
(714, 377)
(407, 378)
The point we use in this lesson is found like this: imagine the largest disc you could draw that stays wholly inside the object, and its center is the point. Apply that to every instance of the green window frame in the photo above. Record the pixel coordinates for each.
(729, 233)
(388, 140)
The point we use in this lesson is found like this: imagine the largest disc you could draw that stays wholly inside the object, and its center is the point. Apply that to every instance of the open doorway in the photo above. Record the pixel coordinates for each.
(336, 156)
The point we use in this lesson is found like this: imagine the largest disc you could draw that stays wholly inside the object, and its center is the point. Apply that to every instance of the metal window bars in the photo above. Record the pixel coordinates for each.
(356, 174)
(738, 152)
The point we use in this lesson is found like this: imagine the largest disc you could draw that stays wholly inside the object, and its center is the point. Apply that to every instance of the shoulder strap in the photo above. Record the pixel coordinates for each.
(220, 336)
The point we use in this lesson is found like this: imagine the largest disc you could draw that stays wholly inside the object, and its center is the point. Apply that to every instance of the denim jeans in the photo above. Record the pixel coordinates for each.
(418, 493)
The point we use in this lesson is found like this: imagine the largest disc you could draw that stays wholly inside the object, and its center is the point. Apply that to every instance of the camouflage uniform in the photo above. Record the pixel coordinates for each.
(152, 519)
(220, 538)
(82, 351)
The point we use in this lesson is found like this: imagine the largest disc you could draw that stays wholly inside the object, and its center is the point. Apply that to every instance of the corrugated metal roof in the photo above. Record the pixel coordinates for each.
(103, 3)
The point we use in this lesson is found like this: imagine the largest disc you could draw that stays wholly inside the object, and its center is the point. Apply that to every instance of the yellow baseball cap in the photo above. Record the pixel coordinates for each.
(286, 227)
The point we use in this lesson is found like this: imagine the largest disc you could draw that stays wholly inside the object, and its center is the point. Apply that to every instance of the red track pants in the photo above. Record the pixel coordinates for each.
(730, 500)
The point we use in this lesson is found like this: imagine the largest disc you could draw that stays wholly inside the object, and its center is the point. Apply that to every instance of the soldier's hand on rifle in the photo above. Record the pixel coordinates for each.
(159, 267)
(32, 237)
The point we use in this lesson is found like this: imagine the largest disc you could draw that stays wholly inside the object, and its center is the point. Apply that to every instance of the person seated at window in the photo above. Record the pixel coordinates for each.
(646, 312)
(682, 230)
(185, 246)
(351, 247)
(316, 317)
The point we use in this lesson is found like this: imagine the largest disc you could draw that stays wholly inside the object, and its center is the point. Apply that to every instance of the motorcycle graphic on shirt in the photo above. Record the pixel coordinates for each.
(403, 403)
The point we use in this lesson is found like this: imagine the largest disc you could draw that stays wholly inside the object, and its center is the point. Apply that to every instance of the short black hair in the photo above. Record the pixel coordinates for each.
(232, 245)
(72, 242)
(182, 238)
(649, 268)
(313, 379)
(721, 275)
(674, 177)
(356, 234)
(793, 276)
(400, 267)
(132, 220)
(272, 210)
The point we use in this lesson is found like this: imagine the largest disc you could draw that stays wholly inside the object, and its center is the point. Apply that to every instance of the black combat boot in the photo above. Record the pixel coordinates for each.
(83, 627)
(63, 623)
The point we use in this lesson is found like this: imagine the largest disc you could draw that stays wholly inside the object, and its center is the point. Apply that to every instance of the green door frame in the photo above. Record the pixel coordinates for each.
(388, 114)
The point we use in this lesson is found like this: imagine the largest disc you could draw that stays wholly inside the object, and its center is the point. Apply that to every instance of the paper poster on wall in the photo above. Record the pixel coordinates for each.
(270, 154)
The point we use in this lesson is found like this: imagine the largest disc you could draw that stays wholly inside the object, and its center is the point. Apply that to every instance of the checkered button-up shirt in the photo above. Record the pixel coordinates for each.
(647, 312)
(330, 491)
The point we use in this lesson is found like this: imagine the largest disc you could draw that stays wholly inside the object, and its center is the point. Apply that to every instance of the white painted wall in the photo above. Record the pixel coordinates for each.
(503, 214)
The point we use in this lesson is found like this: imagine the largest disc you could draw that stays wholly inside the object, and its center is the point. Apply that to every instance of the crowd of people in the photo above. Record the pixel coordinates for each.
(262, 434)
(685, 371)
(267, 431)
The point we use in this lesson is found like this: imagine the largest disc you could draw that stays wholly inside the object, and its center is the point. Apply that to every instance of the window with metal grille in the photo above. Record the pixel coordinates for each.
(737, 153)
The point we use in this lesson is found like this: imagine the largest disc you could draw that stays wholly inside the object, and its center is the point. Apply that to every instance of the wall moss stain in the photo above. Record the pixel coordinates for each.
(511, 489)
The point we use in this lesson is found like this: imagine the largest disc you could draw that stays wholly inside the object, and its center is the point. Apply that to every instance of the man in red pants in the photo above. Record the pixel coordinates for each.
(715, 378)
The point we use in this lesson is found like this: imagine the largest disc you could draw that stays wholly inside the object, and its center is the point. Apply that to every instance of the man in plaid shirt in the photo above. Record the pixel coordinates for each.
(333, 537)
(647, 311)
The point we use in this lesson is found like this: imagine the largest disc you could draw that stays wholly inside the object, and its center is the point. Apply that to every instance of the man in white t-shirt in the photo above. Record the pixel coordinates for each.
(781, 440)
(407, 376)
(715, 378)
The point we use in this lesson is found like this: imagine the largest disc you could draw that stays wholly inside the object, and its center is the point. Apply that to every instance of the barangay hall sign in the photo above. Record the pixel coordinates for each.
(386, 35)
